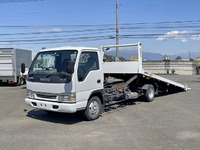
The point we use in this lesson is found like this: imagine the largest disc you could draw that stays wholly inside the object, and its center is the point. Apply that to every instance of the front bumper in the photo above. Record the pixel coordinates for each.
(52, 106)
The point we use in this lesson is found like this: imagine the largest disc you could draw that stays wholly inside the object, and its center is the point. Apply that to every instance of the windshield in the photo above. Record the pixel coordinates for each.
(52, 61)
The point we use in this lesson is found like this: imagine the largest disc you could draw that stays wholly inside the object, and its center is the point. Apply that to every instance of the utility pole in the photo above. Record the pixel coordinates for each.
(189, 55)
(117, 32)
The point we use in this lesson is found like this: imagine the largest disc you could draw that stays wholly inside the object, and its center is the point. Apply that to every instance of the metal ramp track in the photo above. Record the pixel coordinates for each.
(167, 81)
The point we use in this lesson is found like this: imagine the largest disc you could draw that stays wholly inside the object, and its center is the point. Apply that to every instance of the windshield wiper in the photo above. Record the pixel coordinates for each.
(31, 74)
(36, 72)
(60, 74)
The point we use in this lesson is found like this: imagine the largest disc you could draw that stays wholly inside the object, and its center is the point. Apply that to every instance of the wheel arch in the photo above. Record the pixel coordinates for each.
(145, 87)
(97, 93)
(93, 110)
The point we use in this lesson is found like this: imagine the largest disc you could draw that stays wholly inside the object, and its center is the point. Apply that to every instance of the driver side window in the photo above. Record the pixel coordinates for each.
(88, 61)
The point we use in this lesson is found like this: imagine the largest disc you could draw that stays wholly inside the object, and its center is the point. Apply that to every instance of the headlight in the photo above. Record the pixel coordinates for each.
(67, 97)
(30, 94)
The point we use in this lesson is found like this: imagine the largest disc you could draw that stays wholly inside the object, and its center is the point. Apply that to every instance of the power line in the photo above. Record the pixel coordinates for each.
(18, 1)
(97, 32)
(45, 14)
(99, 25)
(98, 29)
(64, 35)
(102, 37)
(56, 32)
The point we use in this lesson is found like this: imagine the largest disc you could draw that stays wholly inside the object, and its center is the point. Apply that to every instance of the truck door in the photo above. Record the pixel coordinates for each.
(89, 76)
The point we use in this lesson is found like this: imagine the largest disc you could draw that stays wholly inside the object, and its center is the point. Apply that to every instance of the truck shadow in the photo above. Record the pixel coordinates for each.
(13, 85)
(131, 102)
(61, 118)
(66, 118)
(8, 85)
(120, 105)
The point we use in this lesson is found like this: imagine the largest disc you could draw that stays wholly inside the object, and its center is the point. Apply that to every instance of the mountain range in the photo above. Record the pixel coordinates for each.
(127, 54)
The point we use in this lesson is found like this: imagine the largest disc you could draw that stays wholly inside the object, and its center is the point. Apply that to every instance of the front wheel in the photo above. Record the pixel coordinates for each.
(150, 93)
(93, 109)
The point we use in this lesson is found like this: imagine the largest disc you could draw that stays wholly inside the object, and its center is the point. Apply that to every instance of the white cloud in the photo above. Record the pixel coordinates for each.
(52, 30)
(4, 43)
(195, 37)
(56, 30)
(178, 35)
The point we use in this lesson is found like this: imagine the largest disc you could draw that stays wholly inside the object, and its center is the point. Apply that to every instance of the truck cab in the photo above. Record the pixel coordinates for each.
(66, 79)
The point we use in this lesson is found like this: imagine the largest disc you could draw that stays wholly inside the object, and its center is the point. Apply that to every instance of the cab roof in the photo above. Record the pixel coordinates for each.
(70, 48)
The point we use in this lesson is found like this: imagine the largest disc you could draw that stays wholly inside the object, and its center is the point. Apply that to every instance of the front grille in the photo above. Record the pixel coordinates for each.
(46, 96)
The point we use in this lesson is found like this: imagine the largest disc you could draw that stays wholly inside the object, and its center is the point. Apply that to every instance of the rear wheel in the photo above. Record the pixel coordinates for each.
(20, 81)
(93, 109)
(150, 93)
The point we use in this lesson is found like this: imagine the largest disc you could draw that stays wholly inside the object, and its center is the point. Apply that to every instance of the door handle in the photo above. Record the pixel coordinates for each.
(98, 81)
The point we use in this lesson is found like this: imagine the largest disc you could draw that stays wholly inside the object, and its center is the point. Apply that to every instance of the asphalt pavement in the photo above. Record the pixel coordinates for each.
(170, 122)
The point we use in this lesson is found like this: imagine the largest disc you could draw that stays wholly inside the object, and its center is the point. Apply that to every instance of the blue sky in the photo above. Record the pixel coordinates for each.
(166, 27)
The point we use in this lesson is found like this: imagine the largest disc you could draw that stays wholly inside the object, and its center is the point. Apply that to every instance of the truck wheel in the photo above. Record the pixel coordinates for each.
(93, 109)
(150, 93)
(20, 81)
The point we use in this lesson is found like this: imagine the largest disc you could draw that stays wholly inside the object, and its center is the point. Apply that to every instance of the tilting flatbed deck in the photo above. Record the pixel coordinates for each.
(135, 68)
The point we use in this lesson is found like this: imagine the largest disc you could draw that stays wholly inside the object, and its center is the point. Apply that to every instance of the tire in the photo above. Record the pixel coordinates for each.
(198, 71)
(22, 81)
(93, 109)
(150, 93)
(19, 81)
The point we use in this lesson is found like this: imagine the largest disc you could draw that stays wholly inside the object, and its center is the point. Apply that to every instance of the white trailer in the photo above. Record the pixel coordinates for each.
(71, 79)
(11, 61)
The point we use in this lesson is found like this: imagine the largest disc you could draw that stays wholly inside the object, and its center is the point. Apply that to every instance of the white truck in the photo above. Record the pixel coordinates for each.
(71, 79)
(13, 64)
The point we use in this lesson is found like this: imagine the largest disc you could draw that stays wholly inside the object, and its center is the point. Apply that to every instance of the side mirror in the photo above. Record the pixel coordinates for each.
(70, 67)
(22, 68)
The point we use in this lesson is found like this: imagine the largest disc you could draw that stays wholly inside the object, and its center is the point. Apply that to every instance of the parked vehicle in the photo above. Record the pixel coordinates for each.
(71, 79)
(14, 64)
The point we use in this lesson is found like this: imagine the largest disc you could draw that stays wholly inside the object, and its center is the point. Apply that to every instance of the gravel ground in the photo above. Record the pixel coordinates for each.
(170, 122)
